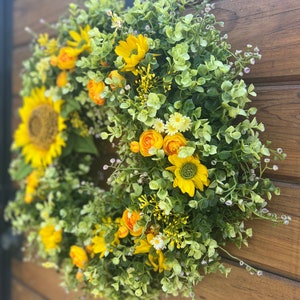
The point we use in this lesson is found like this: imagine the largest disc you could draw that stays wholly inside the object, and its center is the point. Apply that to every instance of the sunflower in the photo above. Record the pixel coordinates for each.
(133, 50)
(39, 134)
(189, 174)
(81, 41)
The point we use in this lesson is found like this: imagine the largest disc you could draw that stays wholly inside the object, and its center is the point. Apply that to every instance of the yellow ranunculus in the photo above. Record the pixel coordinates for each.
(32, 182)
(117, 80)
(172, 143)
(150, 139)
(79, 256)
(99, 245)
(133, 50)
(135, 147)
(50, 236)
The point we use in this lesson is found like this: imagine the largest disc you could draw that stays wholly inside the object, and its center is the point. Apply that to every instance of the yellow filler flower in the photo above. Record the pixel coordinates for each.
(39, 134)
(133, 50)
(189, 174)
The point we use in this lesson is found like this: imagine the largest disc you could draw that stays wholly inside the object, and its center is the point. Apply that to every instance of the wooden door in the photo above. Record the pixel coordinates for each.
(274, 26)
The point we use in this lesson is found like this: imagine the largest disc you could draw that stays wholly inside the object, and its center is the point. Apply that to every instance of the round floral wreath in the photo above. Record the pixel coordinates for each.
(137, 155)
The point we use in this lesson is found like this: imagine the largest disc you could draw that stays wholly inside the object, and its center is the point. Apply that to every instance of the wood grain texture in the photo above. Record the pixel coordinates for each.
(28, 13)
(21, 291)
(279, 109)
(276, 248)
(240, 285)
(45, 282)
(273, 26)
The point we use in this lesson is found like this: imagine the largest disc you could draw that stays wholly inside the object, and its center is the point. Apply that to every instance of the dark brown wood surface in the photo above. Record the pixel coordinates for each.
(273, 26)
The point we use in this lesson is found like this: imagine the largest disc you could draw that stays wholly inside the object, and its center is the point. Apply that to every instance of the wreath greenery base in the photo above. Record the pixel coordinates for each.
(138, 154)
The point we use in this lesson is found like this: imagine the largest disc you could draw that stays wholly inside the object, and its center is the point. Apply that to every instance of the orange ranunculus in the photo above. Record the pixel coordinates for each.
(67, 58)
(150, 139)
(122, 231)
(172, 143)
(79, 275)
(117, 79)
(79, 256)
(130, 219)
(135, 147)
(61, 79)
(95, 89)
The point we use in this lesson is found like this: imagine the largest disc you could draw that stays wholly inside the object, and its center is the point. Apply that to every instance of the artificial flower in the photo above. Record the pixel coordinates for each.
(50, 237)
(158, 261)
(39, 135)
(78, 256)
(50, 47)
(62, 79)
(81, 40)
(172, 143)
(67, 58)
(134, 147)
(130, 220)
(158, 125)
(79, 275)
(132, 50)
(143, 245)
(32, 182)
(99, 244)
(189, 174)
(177, 123)
(150, 139)
(117, 80)
(95, 89)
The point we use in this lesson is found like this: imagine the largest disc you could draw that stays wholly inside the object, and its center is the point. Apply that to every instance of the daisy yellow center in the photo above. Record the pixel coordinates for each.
(43, 126)
(188, 170)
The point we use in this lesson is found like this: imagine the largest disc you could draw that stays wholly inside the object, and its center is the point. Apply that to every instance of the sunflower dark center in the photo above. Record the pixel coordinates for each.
(43, 126)
(188, 170)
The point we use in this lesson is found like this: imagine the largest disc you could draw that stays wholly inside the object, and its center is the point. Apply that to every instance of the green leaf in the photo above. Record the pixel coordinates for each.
(23, 170)
(80, 144)
(68, 107)
(186, 151)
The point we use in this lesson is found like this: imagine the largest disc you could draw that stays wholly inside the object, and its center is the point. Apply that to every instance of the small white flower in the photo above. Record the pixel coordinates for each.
(159, 125)
(170, 129)
(158, 242)
(279, 150)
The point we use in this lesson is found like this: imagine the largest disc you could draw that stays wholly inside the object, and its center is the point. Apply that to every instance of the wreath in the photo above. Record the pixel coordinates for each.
(138, 156)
